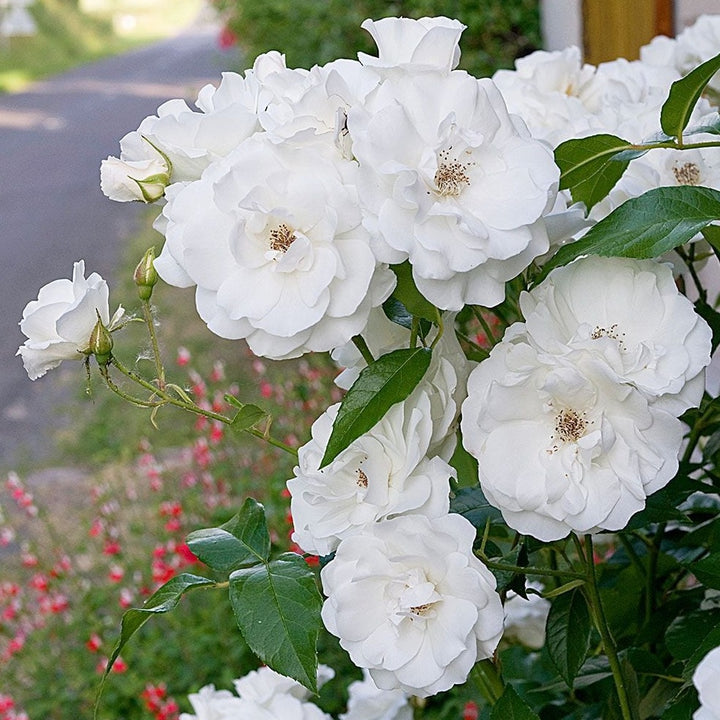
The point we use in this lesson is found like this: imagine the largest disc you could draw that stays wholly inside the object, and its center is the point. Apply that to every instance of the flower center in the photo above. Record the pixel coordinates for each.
(611, 332)
(451, 177)
(570, 426)
(362, 479)
(421, 610)
(687, 174)
(281, 238)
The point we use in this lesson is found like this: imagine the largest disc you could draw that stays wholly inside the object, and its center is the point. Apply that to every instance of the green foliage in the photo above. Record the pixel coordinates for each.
(277, 607)
(388, 380)
(242, 540)
(646, 226)
(684, 95)
(568, 634)
(590, 168)
(512, 707)
(498, 30)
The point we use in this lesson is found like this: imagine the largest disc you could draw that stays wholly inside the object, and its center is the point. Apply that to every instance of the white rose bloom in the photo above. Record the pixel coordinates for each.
(444, 382)
(272, 237)
(427, 43)
(383, 473)
(706, 679)
(318, 106)
(412, 604)
(456, 186)
(59, 323)
(547, 90)
(211, 704)
(630, 313)
(142, 179)
(366, 701)
(263, 684)
(562, 444)
(525, 619)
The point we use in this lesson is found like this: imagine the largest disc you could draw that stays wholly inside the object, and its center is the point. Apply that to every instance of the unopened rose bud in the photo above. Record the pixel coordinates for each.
(146, 276)
(101, 343)
(152, 188)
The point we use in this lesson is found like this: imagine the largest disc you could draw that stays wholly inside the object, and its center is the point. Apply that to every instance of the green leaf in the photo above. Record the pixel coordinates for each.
(683, 706)
(712, 236)
(707, 570)
(162, 600)
(589, 168)
(646, 226)
(710, 127)
(407, 293)
(512, 707)
(684, 94)
(466, 466)
(712, 318)
(242, 540)
(568, 634)
(389, 380)
(277, 608)
(396, 312)
(247, 414)
(470, 502)
(687, 632)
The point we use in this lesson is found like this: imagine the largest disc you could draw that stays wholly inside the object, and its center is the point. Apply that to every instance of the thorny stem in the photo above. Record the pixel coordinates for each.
(650, 588)
(165, 398)
(159, 369)
(593, 597)
(527, 570)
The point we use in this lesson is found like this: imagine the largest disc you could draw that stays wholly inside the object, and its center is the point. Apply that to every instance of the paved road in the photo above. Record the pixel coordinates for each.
(52, 213)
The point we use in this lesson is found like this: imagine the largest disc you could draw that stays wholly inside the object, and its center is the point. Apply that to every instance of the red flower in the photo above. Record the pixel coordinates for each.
(226, 38)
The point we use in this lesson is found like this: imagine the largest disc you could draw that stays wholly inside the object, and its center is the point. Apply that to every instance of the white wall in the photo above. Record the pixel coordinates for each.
(561, 22)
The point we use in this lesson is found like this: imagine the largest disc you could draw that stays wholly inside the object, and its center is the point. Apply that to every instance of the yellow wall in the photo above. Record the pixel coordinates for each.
(618, 28)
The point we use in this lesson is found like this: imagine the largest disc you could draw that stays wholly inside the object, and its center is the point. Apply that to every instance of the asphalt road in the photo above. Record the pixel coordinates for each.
(52, 213)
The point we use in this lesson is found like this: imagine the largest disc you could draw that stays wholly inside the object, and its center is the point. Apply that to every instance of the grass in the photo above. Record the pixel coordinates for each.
(68, 34)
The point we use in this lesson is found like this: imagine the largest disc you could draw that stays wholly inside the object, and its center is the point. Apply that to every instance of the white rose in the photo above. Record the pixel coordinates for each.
(427, 43)
(546, 90)
(706, 679)
(456, 186)
(630, 313)
(525, 619)
(211, 704)
(412, 604)
(272, 237)
(562, 444)
(383, 473)
(140, 179)
(59, 323)
(263, 684)
(366, 701)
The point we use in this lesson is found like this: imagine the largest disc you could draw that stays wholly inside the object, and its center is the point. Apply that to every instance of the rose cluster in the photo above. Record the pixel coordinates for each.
(298, 202)
(265, 695)
(560, 97)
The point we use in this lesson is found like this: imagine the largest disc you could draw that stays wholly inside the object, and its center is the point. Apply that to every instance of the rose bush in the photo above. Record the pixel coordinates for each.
(509, 272)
